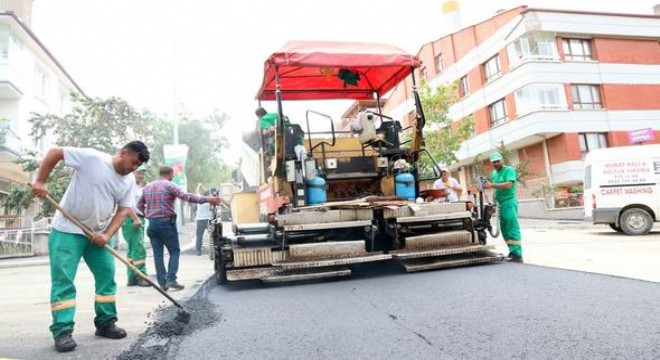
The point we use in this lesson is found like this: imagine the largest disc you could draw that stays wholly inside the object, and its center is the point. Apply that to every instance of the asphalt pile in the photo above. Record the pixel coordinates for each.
(164, 333)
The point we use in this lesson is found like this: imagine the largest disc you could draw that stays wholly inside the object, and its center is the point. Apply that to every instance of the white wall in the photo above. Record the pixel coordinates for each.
(25, 59)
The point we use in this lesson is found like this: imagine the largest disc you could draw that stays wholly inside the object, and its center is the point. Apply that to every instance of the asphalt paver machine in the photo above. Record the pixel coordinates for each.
(329, 201)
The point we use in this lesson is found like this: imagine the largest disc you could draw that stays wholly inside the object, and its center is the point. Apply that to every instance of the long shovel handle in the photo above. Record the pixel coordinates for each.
(114, 252)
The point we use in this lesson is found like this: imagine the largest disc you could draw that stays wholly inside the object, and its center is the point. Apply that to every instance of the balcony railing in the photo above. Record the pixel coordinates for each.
(10, 142)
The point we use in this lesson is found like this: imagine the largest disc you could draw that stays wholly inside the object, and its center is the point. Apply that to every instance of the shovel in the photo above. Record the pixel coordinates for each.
(182, 316)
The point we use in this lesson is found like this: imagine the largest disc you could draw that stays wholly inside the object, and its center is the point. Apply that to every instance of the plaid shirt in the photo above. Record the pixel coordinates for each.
(158, 198)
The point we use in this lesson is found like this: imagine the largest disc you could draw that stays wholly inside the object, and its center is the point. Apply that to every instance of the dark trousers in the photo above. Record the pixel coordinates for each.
(201, 227)
(163, 233)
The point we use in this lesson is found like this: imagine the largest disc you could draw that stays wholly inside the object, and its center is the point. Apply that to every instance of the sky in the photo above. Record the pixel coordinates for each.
(197, 56)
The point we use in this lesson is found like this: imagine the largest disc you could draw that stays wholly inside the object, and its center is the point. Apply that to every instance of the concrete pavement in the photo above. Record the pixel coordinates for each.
(25, 307)
(590, 248)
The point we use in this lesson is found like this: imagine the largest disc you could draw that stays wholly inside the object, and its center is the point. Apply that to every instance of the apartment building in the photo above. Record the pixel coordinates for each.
(551, 85)
(31, 80)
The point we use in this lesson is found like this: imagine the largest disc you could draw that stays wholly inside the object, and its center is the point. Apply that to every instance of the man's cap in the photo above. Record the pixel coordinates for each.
(142, 167)
(495, 157)
(444, 169)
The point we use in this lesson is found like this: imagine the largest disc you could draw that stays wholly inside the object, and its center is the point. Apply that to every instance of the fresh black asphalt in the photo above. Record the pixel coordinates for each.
(497, 311)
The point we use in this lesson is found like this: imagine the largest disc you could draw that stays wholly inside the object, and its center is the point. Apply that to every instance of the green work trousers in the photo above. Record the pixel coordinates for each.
(510, 227)
(136, 253)
(65, 251)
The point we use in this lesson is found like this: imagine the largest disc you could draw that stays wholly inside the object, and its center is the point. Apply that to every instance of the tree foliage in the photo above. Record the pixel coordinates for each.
(443, 136)
(205, 142)
(103, 124)
(106, 125)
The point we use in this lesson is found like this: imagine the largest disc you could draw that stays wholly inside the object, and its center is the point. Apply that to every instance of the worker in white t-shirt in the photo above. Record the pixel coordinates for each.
(449, 184)
(202, 217)
(100, 195)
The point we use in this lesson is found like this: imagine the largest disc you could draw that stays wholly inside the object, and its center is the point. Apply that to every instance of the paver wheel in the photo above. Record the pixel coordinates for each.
(636, 221)
(615, 228)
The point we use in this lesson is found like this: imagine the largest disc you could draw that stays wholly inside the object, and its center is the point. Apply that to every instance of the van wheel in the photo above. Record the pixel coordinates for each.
(615, 228)
(636, 221)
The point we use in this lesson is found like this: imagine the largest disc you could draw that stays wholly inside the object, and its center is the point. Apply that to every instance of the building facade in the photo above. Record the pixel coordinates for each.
(550, 85)
(31, 81)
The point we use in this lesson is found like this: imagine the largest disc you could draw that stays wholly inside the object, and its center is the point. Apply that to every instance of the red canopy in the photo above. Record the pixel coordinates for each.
(313, 70)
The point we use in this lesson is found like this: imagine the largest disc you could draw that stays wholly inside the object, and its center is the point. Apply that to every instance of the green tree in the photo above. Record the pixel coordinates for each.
(205, 142)
(443, 136)
(103, 124)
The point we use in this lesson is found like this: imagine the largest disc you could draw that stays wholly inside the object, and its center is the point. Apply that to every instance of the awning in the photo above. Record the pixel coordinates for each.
(313, 70)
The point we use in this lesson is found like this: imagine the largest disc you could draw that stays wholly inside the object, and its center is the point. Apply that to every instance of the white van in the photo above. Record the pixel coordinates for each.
(622, 187)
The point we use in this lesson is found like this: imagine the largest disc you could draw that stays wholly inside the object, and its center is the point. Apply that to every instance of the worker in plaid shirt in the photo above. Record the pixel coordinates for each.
(157, 205)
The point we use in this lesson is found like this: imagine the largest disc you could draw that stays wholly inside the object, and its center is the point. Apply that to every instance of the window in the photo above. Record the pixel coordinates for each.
(464, 87)
(40, 82)
(540, 96)
(492, 69)
(592, 141)
(586, 97)
(4, 46)
(439, 63)
(497, 113)
(533, 46)
(577, 49)
(10, 48)
(423, 74)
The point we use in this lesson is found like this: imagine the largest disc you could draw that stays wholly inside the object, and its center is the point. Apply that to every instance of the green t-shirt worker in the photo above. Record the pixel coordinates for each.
(503, 180)
(267, 123)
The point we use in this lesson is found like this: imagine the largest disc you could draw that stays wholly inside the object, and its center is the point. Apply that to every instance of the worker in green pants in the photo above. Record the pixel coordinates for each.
(133, 232)
(99, 195)
(504, 180)
(69, 249)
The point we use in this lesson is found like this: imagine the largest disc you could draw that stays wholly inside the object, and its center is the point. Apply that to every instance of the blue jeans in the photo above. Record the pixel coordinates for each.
(162, 232)
(201, 227)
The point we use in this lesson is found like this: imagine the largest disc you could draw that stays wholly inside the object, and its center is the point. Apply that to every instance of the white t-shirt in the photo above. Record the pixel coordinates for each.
(451, 193)
(94, 192)
(137, 194)
(204, 212)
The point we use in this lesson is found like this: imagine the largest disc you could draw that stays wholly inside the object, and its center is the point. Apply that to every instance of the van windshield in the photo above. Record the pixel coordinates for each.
(587, 177)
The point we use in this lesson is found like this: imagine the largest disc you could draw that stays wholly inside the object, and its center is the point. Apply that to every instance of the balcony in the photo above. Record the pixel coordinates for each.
(10, 145)
(534, 127)
(10, 82)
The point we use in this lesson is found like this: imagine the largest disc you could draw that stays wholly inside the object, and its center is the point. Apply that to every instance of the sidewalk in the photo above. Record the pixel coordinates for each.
(25, 307)
(548, 224)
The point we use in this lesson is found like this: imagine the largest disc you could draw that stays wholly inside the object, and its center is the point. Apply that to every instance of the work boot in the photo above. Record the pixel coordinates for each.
(514, 258)
(142, 282)
(64, 342)
(132, 282)
(174, 285)
(110, 330)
